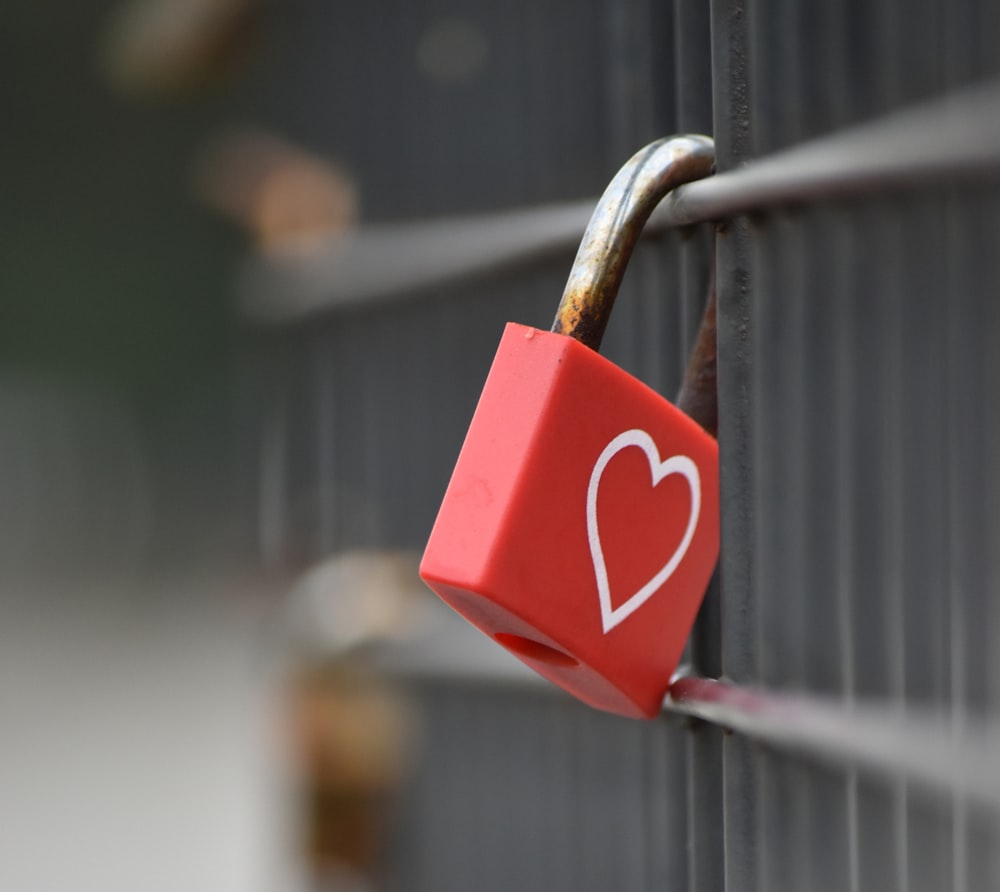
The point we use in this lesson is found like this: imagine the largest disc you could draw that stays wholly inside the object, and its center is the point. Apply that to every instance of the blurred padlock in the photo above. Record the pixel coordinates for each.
(580, 528)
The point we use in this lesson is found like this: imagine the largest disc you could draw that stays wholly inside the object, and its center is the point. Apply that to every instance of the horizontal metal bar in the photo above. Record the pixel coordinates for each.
(887, 741)
(954, 136)
(379, 263)
(919, 744)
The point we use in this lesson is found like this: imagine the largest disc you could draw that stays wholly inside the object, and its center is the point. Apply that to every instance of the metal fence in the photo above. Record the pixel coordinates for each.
(856, 272)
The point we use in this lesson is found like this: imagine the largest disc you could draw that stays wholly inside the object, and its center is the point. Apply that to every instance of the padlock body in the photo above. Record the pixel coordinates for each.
(580, 528)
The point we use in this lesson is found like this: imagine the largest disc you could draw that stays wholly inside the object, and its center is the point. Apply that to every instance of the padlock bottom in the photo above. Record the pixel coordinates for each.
(549, 658)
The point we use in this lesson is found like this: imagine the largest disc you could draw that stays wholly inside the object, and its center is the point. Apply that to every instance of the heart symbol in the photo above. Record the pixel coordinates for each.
(676, 464)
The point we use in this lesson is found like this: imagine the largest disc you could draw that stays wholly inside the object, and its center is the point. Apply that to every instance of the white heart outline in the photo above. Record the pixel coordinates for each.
(676, 464)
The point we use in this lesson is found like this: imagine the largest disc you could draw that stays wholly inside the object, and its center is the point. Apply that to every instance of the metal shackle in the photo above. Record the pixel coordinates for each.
(607, 246)
(614, 228)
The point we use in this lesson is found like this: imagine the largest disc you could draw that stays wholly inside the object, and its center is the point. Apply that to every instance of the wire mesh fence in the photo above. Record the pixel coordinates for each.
(860, 499)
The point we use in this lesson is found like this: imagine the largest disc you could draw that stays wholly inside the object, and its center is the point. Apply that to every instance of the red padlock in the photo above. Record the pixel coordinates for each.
(580, 528)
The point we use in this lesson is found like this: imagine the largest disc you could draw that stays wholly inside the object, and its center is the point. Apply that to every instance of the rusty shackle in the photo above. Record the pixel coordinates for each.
(607, 245)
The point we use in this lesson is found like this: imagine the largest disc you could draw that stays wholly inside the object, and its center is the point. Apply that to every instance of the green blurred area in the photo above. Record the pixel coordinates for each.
(109, 270)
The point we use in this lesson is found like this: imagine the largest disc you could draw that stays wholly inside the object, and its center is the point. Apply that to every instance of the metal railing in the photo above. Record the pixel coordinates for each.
(953, 138)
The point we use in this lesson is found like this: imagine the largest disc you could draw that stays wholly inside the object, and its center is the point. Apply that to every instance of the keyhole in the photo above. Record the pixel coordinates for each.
(535, 650)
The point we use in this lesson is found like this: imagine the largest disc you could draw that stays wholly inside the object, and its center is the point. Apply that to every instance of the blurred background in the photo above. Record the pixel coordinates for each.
(209, 509)
(256, 258)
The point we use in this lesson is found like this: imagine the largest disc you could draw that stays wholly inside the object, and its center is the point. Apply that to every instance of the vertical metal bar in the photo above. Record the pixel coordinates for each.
(774, 825)
(893, 566)
(787, 427)
(272, 520)
(827, 475)
(988, 264)
(849, 515)
(365, 349)
(967, 399)
(970, 423)
(655, 326)
(963, 381)
(325, 377)
(693, 66)
(665, 821)
(706, 869)
(703, 745)
(734, 284)
(919, 500)
(630, 749)
(848, 511)
(629, 64)
(925, 506)
(739, 654)
(864, 287)
(412, 422)
(556, 765)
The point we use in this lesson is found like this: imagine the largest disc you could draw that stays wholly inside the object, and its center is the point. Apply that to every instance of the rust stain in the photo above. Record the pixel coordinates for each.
(615, 226)
(699, 394)
(607, 245)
